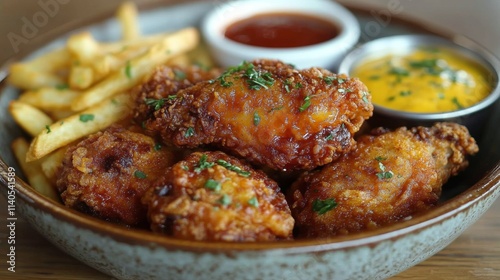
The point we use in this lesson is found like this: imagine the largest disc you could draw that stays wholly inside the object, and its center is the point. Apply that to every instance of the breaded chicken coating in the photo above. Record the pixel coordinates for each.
(268, 113)
(211, 196)
(387, 177)
(164, 83)
(106, 174)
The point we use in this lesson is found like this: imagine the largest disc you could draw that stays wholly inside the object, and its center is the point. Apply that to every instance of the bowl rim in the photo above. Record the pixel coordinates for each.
(458, 43)
(338, 15)
(486, 186)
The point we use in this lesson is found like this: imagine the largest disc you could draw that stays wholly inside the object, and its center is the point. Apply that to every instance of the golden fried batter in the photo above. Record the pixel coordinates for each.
(164, 83)
(106, 174)
(269, 113)
(214, 197)
(387, 177)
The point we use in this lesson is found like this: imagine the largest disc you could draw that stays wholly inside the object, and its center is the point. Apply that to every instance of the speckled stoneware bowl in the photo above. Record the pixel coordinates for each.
(137, 254)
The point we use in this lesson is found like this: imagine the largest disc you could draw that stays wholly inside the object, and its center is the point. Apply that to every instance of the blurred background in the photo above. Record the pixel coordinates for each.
(27, 24)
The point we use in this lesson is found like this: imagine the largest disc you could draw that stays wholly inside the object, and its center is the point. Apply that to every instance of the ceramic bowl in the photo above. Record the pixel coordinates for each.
(327, 54)
(138, 254)
(473, 117)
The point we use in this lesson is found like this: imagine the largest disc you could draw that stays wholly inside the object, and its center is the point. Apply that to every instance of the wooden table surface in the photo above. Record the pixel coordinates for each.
(473, 255)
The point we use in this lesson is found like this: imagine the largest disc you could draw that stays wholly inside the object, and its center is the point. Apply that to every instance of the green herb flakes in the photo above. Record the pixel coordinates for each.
(189, 132)
(256, 118)
(213, 185)
(225, 199)
(140, 175)
(233, 168)
(128, 69)
(323, 206)
(253, 202)
(383, 174)
(203, 164)
(86, 117)
(306, 104)
(48, 128)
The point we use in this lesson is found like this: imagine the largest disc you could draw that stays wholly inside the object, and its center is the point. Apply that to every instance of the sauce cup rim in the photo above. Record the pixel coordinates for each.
(459, 44)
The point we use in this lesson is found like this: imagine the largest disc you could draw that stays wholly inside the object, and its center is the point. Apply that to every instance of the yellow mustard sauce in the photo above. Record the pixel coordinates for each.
(427, 80)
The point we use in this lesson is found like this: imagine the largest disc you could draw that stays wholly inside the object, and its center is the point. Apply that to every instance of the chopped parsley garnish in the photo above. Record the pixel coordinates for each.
(306, 104)
(383, 174)
(275, 109)
(86, 117)
(331, 136)
(157, 147)
(364, 96)
(253, 201)
(48, 128)
(189, 132)
(329, 80)
(203, 164)
(128, 69)
(256, 118)
(299, 85)
(322, 206)
(234, 168)
(287, 83)
(158, 103)
(213, 185)
(179, 75)
(457, 103)
(62, 86)
(140, 175)
(255, 79)
(405, 93)
(225, 199)
(399, 72)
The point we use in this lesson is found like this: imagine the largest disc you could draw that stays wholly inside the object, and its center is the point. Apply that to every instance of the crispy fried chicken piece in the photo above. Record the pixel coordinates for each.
(386, 178)
(269, 113)
(106, 174)
(214, 197)
(164, 83)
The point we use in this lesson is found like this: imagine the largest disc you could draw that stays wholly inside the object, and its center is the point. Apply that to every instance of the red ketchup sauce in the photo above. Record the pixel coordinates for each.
(282, 30)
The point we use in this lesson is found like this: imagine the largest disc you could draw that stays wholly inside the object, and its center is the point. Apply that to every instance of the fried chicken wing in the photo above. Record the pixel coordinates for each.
(164, 83)
(214, 197)
(269, 113)
(386, 178)
(106, 174)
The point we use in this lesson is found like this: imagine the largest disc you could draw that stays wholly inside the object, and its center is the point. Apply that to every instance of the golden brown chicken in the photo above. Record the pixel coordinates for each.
(386, 178)
(214, 197)
(269, 113)
(163, 84)
(106, 174)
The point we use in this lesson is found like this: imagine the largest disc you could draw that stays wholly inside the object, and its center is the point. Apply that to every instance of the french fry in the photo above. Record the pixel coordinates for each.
(49, 99)
(39, 72)
(51, 163)
(31, 119)
(127, 15)
(135, 69)
(83, 47)
(79, 125)
(81, 77)
(33, 170)
(26, 77)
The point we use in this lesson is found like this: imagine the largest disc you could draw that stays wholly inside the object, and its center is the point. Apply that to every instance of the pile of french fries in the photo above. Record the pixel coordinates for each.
(82, 88)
